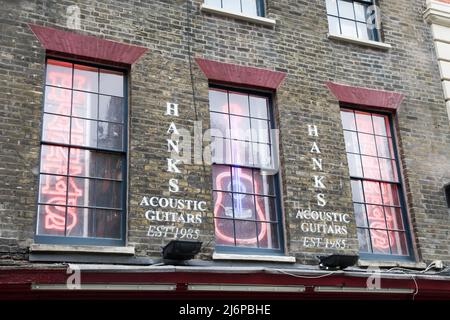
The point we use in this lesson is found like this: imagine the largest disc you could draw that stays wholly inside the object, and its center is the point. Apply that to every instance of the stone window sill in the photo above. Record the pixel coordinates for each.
(247, 257)
(255, 19)
(51, 248)
(367, 43)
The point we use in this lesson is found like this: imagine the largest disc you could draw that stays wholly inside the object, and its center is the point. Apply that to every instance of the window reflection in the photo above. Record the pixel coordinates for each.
(81, 187)
(245, 200)
(375, 184)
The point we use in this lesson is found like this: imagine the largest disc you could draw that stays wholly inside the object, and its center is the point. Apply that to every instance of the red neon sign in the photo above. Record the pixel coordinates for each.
(58, 129)
(239, 157)
(222, 234)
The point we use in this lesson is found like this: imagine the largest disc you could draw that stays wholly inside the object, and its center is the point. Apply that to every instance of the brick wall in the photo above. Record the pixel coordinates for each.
(297, 45)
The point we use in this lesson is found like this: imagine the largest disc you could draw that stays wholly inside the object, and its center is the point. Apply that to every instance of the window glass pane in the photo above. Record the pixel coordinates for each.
(51, 220)
(333, 25)
(56, 129)
(354, 164)
(111, 109)
(268, 235)
(370, 167)
(220, 125)
(108, 166)
(84, 105)
(84, 133)
(218, 99)
(90, 192)
(390, 194)
(108, 194)
(54, 159)
(85, 78)
(388, 170)
(244, 206)
(59, 73)
(384, 147)
(106, 224)
(81, 192)
(348, 28)
(348, 120)
(221, 178)
(110, 135)
(223, 205)
(220, 150)
(57, 100)
(97, 223)
(232, 5)
(240, 128)
(357, 191)
(246, 233)
(372, 192)
(360, 11)
(346, 9)
(394, 218)
(332, 7)
(367, 144)
(363, 33)
(82, 163)
(258, 107)
(261, 155)
(260, 131)
(380, 242)
(264, 184)
(364, 122)
(73, 220)
(249, 7)
(241, 153)
(398, 243)
(266, 209)
(95, 164)
(364, 241)
(52, 189)
(242, 180)
(381, 125)
(375, 214)
(360, 215)
(224, 232)
(81, 227)
(111, 83)
(239, 104)
(351, 142)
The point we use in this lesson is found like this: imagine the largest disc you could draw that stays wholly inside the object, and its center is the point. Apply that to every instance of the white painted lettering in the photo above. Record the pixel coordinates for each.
(313, 131)
(173, 185)
(172, 165)
(315, 148)
(171, 109)
(318, 182)
(317, 163)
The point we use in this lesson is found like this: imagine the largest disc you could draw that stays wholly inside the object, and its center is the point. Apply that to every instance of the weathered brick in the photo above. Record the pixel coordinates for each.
(297, 45)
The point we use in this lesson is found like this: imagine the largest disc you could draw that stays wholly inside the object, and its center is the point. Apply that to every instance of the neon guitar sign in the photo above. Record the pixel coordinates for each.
(223, 234)
(240, 180)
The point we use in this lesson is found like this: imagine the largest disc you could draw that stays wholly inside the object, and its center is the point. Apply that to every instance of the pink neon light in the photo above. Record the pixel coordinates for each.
(236, 108)
(260, 211)
(373, 194)
(57, 130)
